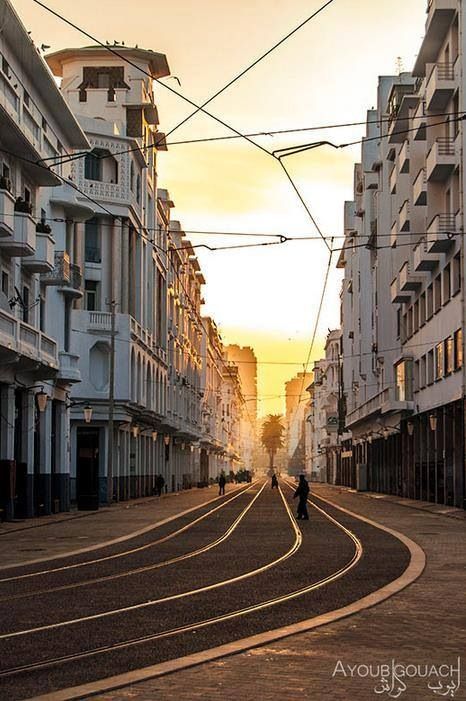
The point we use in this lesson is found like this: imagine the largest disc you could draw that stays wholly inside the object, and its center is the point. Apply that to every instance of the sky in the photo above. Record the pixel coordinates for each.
(265, 297)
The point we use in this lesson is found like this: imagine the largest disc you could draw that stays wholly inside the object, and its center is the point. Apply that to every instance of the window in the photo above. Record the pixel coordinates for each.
(437, 293)
(26, 304)
(103, 79)
(449, 356)
(458, 349)
(138, 188)
(92, 167)
(430, 368)
(42, 313)
(446, 284)
(404, 381)
(456, 275)
(5, 283)
(429, 302)
(422, 372)
(92, 237)
(422, 310)
(439, 361)
(409, 322)
(131, 176)
(5, 67)
(416, 317)
(416, 375)
(91, 290)
(404, 326)
(26, 98)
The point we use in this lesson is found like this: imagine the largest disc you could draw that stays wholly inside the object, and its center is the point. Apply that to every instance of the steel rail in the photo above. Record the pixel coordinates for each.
(338, 574)
(173, 597)
(146, 568)
(130, 551)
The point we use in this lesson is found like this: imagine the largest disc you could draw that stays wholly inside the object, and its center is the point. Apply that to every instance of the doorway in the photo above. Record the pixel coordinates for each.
(87, 468)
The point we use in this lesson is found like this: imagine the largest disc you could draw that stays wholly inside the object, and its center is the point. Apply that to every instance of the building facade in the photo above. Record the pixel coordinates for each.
(403, 344)
(39, 278)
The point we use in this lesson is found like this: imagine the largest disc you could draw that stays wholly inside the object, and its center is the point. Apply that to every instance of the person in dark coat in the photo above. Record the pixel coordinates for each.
(221, 484)
(274, 481)
(302, 492)
(160, 484)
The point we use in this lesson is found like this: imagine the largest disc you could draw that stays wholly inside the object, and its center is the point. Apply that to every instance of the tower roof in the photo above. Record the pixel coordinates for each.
(157, 63)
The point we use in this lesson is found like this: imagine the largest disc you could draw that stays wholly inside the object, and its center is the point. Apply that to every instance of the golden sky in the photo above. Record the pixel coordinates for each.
(327, 73)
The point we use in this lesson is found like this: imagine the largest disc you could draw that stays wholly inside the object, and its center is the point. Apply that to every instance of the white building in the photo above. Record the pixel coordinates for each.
(403, 311)
(122, 251)
(38, 278)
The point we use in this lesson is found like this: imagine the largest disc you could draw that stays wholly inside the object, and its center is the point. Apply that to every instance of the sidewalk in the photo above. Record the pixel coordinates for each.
(424, 624)
(51, 536)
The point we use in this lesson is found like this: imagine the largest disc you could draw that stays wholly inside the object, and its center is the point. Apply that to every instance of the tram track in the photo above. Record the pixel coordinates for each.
(130, 551)
(206, 622)
(158, 565)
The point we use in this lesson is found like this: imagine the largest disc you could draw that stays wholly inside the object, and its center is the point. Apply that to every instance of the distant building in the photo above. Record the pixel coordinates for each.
(295, 390)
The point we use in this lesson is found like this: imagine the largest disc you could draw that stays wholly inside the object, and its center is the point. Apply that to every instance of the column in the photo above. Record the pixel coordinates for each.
(61, 478)
(7, 449)
(44, 481)
(26, 498)
(124, 269)
(78, 255)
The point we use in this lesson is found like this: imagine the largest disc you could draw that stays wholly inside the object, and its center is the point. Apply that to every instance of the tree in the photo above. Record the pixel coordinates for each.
(272, 436)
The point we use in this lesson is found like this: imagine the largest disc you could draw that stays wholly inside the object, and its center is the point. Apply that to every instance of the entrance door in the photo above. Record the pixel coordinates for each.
(204, 468)
(87, 468)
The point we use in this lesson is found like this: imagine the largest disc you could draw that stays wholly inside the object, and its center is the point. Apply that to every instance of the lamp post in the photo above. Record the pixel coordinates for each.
(41, 399)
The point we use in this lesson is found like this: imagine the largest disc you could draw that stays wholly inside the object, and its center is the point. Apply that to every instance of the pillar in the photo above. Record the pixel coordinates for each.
(61, 478)
(44, 478)
(7, 449)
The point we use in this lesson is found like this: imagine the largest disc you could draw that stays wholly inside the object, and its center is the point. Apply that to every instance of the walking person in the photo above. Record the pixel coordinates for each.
(274, 481)
(221, 484)
(302, 492)
(160, 485)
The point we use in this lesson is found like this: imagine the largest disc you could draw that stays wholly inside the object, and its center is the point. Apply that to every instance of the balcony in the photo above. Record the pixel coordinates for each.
(69, 368)
(441, 159)
(73, 288)
(408, 280)
(423, 260)
(440, 15)
(441, 233)
(43, 259)
(66, 196)
(59, 276)
(441, 86)
(100, 321)
(7, 213)
(23, 241)
(397, 295)
(19, 338)
(420, 189)
(404, 217)
(403, 158)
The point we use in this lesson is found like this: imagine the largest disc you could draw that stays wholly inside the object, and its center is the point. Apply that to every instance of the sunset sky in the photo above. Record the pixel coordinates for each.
(325, 74)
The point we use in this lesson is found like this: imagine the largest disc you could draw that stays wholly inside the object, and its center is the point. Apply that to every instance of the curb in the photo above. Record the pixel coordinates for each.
(114, 541)
(411, 574)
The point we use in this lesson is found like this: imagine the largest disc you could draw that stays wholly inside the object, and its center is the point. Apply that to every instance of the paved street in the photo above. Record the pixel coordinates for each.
(184, 587)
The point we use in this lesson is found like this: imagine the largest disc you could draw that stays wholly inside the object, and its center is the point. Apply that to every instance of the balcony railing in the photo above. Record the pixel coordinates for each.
(60, 275)
(441, 233)
(19, 337)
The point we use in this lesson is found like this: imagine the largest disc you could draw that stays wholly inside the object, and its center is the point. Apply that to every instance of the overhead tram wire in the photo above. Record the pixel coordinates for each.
(199, 108)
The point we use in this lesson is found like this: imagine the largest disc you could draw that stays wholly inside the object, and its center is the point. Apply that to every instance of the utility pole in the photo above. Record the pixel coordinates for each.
(111, 409)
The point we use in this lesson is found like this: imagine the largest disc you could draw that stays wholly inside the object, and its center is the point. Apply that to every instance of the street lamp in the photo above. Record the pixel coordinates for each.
(87, 413)
(41, 399)
(166, 440)
(386, 433)
(154, 435)
(410, 426)
(370, 438)
(183, 446)
(135, 430)
(433, 422)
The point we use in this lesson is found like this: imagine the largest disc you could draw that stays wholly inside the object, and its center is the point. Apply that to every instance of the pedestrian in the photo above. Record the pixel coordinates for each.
(160, 485)
(302, 492)
(221, 484)
(274, 481)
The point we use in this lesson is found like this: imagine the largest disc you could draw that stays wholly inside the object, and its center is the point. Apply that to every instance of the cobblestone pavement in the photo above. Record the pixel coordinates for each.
(424, 624)
(50, 536)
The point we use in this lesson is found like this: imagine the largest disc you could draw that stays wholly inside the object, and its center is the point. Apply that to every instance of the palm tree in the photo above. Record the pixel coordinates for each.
(272, 436)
